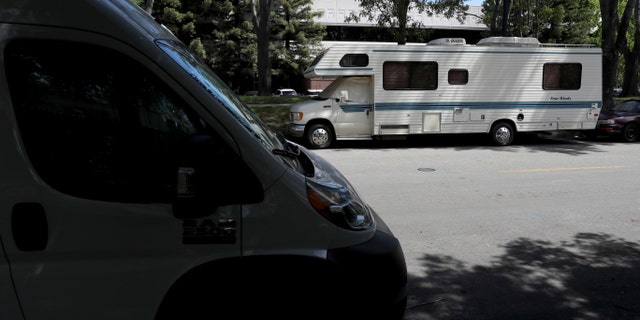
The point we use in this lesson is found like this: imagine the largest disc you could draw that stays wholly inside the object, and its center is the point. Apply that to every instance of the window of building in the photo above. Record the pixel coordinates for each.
(562, 76)
(397, 75)
(354, 60)
(458, 76)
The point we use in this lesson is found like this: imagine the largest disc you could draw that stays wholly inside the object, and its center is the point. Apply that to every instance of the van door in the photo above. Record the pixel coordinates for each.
(9, 307)
(8, 302)
(102, 154)
(355, 109)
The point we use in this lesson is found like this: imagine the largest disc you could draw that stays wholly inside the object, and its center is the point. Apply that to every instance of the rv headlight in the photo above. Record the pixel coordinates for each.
(339, 204)
(295, 116)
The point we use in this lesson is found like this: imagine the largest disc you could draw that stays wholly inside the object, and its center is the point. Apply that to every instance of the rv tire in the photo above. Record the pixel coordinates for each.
(319, 136)
(502, 134)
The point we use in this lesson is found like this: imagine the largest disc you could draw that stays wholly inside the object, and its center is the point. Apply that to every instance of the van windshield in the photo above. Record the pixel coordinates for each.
(221, 92)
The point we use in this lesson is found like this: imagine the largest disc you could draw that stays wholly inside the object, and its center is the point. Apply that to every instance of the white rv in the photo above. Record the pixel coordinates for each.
(500, 86)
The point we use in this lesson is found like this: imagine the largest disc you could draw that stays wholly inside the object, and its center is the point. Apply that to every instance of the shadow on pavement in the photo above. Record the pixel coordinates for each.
(593, 276)
(565, 143)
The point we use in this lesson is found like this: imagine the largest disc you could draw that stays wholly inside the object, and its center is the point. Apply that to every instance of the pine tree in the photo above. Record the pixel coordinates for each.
(295, 39)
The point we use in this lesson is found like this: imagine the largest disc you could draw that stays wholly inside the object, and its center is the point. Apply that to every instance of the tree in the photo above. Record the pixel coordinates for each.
(261, 17)
(216, 31)
(148, 6)
(394, 13)
(232, 50)
(559, 21)
(631, 55)
(295, 38)
(614, 41)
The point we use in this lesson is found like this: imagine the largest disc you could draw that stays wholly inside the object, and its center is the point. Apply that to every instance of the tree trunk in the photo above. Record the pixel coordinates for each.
(403, 8)
(148, 6)
(493, 27)
(505, 16)
(262, 24)
(631, 59)
(609, 11)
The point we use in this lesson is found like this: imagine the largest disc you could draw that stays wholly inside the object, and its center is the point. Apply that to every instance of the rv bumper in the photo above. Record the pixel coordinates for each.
(295, 130)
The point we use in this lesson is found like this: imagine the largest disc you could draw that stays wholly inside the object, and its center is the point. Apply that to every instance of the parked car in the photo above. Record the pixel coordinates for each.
(621, 121)
(285, 92)
(313, 92)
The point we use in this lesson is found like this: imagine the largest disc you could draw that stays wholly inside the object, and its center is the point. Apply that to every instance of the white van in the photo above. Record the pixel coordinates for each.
(135, 185)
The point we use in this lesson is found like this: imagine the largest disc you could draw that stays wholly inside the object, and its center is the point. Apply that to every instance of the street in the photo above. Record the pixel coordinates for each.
(548, 228)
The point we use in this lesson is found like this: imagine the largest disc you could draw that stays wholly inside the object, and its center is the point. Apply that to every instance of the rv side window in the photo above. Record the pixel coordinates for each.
(397, 75)
(458, 76)
(562, 76)
(354, 60)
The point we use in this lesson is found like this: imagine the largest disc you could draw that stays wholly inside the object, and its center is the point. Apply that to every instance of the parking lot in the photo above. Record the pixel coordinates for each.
(548, 228)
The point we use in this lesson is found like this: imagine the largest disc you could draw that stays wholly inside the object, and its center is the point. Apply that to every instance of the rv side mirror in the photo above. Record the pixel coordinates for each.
(209, 175)
(344, 96)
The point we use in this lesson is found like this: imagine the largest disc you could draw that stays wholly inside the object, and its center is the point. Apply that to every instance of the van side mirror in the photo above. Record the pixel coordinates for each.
(209, 175)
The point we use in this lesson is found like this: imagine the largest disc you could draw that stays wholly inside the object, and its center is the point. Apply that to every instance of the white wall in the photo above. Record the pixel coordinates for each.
(335, 11)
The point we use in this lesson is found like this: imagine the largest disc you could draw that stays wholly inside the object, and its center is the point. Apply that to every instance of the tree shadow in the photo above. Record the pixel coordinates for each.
(593, 276)
(564, 142)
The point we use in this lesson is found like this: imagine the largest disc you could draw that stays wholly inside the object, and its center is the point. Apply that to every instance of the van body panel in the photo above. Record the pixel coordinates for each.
(98, 166)
(88, 246)
(10, 159)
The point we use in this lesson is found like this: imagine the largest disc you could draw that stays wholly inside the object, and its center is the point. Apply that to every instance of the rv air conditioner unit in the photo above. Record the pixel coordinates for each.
(447, 42)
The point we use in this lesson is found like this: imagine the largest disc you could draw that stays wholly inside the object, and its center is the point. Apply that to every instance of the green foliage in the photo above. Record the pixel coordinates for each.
(394, 13)
(557, 21)
(220, 32)
(276, 118)
(295, 39)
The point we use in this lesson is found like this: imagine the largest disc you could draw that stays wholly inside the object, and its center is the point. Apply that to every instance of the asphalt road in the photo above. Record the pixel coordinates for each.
(548, 228)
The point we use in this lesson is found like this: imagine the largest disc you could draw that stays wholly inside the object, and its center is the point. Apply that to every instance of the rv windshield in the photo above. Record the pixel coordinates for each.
(221, 92)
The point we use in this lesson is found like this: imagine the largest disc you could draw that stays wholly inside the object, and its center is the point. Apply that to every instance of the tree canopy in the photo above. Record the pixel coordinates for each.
(246, 44)
(558, 21)
(249, 42)
(394, 13)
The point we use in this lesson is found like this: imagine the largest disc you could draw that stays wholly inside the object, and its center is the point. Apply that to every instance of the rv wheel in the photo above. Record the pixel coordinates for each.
(502, 134)
(319, 136)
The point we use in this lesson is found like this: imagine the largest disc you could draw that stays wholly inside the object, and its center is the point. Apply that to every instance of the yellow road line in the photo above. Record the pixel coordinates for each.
(562, 169)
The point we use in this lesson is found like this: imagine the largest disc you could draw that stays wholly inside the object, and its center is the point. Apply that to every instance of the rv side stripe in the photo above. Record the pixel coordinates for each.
(483, 105)
(482, 52)
(342, 69)
(355, 107)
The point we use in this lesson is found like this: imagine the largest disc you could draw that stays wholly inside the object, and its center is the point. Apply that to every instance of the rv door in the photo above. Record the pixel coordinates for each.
(354, 115)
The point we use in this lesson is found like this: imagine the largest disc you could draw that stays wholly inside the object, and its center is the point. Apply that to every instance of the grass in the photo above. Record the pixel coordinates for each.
(276, 117)
(272, 100)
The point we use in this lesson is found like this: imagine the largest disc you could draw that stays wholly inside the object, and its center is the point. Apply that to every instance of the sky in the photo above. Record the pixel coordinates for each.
(473, 2)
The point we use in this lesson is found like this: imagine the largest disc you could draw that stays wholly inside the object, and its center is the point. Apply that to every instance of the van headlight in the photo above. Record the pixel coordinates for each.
(339, 204)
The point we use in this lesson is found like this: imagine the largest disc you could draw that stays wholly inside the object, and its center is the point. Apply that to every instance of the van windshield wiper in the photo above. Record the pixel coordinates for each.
(286, 153)
(305, 167)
